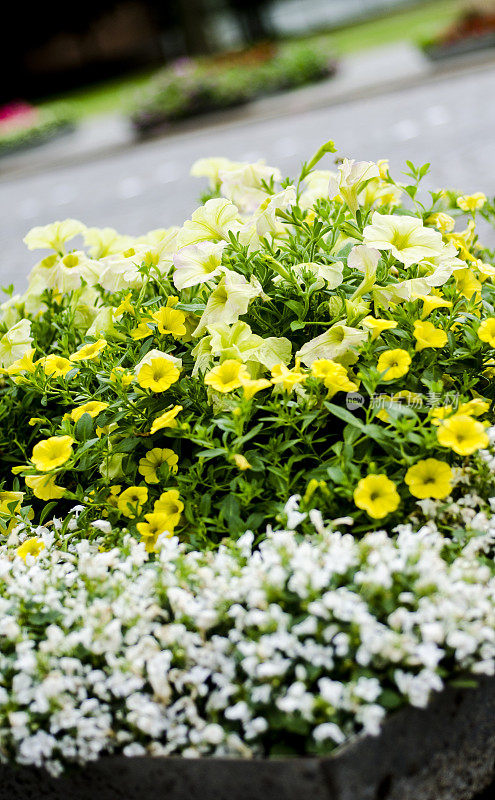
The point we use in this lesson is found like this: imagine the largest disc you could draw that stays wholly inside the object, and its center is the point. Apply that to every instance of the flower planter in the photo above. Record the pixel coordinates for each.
(471, 44)
(445, 752)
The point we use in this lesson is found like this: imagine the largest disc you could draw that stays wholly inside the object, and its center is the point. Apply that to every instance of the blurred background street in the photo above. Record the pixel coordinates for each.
(387, 99)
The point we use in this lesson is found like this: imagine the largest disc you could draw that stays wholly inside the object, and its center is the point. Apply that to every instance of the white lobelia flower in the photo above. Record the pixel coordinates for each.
(212, 222)
(197, 263)
(406, 237)
(53, 236)
(350, 180)
(244, 185)
(338, 343)
(229, 300)
(15, 343)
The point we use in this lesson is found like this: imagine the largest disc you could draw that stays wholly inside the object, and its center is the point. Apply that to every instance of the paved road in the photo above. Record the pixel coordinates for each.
(450, 122)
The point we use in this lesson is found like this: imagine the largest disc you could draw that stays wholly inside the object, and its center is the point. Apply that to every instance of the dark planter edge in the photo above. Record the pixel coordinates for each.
(443, 752)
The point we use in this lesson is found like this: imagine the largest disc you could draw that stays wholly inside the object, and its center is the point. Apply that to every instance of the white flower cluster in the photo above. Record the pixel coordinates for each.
(298, 644)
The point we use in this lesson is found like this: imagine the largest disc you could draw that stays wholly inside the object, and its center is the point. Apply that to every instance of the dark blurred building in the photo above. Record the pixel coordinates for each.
(58, 46)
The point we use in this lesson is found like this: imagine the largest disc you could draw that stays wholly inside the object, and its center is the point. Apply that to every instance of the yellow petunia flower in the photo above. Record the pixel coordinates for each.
(334, 376)
(31, 547)
(427, 335)
(52, 452)
(55, 366)
(227, 377)
(89, 351)
(165, 420)
(44, 487)
(377, 495)
(431, 302)
(486, 331)
(156, 524)
(471, 202)
(131, 501)
(394, 364)
(170, 320)
(430, 478)
(170, 504)
(153, 461)
(462, 434)
(93, 408)
(376, 325)
(158, 375)
(288, 378)
(142, 331)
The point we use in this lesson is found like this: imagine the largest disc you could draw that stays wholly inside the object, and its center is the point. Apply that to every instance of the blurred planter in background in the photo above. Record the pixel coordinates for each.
(191, 87)
(23, 125)
(474, 30)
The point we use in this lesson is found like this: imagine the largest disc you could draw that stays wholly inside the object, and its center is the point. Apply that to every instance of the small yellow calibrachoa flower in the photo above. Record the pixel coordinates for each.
(165, 420)
(170, 504)
(227, 377)
(486, 331)
(52, 452)
(123, 376)
(241, 462)
(157, 523)
(466, 282)
(159, 375)
(31, 547)
(44, 487)
(427, 335)
(132, 500)
(431, 302)
(170, 320)
(288, 378)
(88, 352)
(142, 331)
(125, 307)
(394, 364)
(376, 325)
(153, 461)
(462, 434)
(56, 366)
(429, 478)
(93, 408)
(471, 202)
(377, 495)
(443, 222)
(474, 408)
(251, 386)
(333, 375)
(24, 364)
